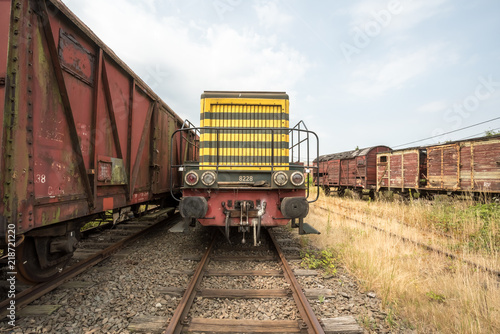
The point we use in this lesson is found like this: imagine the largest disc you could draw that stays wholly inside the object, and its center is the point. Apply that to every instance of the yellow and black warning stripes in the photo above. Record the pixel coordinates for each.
(258, 140)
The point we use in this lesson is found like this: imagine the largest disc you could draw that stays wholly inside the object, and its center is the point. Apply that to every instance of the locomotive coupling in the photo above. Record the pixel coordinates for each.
(193, 207)
(294, 207)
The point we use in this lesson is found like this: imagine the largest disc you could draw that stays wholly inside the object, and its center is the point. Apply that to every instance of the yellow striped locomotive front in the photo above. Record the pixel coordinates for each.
(257, 143)
(244, 176)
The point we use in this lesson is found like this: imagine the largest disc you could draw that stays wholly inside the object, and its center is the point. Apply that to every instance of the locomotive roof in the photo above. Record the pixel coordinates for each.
(245, 95)
(346, 154)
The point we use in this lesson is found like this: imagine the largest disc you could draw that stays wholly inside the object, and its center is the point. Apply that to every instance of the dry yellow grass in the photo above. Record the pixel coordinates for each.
(430, 291)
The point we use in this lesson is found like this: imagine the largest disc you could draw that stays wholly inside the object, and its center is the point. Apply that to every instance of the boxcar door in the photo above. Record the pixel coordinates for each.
(161, 152)
(443, 167)
(360, 172)
(382, 172)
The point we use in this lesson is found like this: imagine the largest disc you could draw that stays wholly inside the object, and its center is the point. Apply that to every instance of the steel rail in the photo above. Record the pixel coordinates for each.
(312, 323)
(179, 320)
(182, 310)
(29, 295)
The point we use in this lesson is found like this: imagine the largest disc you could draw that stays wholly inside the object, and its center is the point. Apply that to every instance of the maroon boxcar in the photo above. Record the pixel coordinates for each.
(402, 169)
(469, 165)
(354, 170)
(81, 134)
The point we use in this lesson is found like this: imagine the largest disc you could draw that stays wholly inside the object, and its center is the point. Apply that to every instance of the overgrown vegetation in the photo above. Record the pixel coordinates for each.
(106, 218)
(324, 259)
(490, 133)
(423, 290)
(476, 225)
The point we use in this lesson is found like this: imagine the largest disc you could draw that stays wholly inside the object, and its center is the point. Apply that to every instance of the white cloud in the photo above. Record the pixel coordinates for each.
(271, 16)
(189, 58)
(375, 78)
(413, 11)
(433, 107)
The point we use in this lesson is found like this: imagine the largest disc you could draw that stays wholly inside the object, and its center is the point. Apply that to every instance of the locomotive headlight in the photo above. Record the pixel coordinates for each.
(297, 179)
(208, 178)
(280, 178)
(191, 178)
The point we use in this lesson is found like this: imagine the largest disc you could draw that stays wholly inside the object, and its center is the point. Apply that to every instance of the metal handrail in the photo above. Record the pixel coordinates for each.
(297, 129)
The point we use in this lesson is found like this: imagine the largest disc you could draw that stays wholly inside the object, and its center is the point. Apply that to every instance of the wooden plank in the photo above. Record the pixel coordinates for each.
(291, 249)
(344, 325)
(172, 291)
(270, 273)
(243, 326)
(305, 272)
(244, 293)
(316, 293)
(191, 257)
(38, 310)
(280, 240)
(181, 272)
(149, 324)
(245, 258)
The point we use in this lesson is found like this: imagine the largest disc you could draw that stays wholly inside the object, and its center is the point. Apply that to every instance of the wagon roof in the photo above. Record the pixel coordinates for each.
(476, 139)
(348, 154)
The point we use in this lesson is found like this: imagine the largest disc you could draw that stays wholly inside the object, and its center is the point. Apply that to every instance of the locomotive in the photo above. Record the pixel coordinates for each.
(249, 173)
(81, 134)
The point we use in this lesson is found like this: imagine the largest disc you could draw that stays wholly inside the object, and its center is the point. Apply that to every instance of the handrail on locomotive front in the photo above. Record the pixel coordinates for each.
(296, 130)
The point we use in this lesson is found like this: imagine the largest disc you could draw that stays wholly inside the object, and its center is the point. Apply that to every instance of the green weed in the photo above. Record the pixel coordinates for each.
(324, 259)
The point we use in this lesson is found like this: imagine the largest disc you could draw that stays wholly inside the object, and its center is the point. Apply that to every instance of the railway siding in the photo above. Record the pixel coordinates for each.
(138, 289)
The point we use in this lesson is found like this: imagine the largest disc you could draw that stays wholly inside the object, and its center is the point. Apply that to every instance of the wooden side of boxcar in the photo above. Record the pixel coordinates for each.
(471, 165)
(398, 169)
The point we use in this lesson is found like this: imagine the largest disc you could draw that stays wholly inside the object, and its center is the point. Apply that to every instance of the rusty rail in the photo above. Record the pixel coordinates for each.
(179, 321)
(27, 296)
(305, 310)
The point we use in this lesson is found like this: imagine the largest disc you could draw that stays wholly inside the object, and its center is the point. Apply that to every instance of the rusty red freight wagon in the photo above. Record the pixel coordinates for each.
(354, 170)
(81, 134)
(471, 165)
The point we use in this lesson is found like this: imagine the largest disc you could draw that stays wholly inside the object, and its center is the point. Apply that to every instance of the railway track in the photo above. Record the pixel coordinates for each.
(181, 321)
(420, 244)
(87, 257)
(441, 234)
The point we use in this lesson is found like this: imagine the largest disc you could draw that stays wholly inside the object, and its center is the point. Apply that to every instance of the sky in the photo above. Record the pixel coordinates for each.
(359, 73)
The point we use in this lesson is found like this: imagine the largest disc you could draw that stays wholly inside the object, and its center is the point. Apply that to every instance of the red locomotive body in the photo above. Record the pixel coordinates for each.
(81, 133)
(245, 176)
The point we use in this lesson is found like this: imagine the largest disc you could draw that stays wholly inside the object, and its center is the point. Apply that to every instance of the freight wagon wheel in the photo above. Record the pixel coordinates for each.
(327, 190)
(28, 265)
